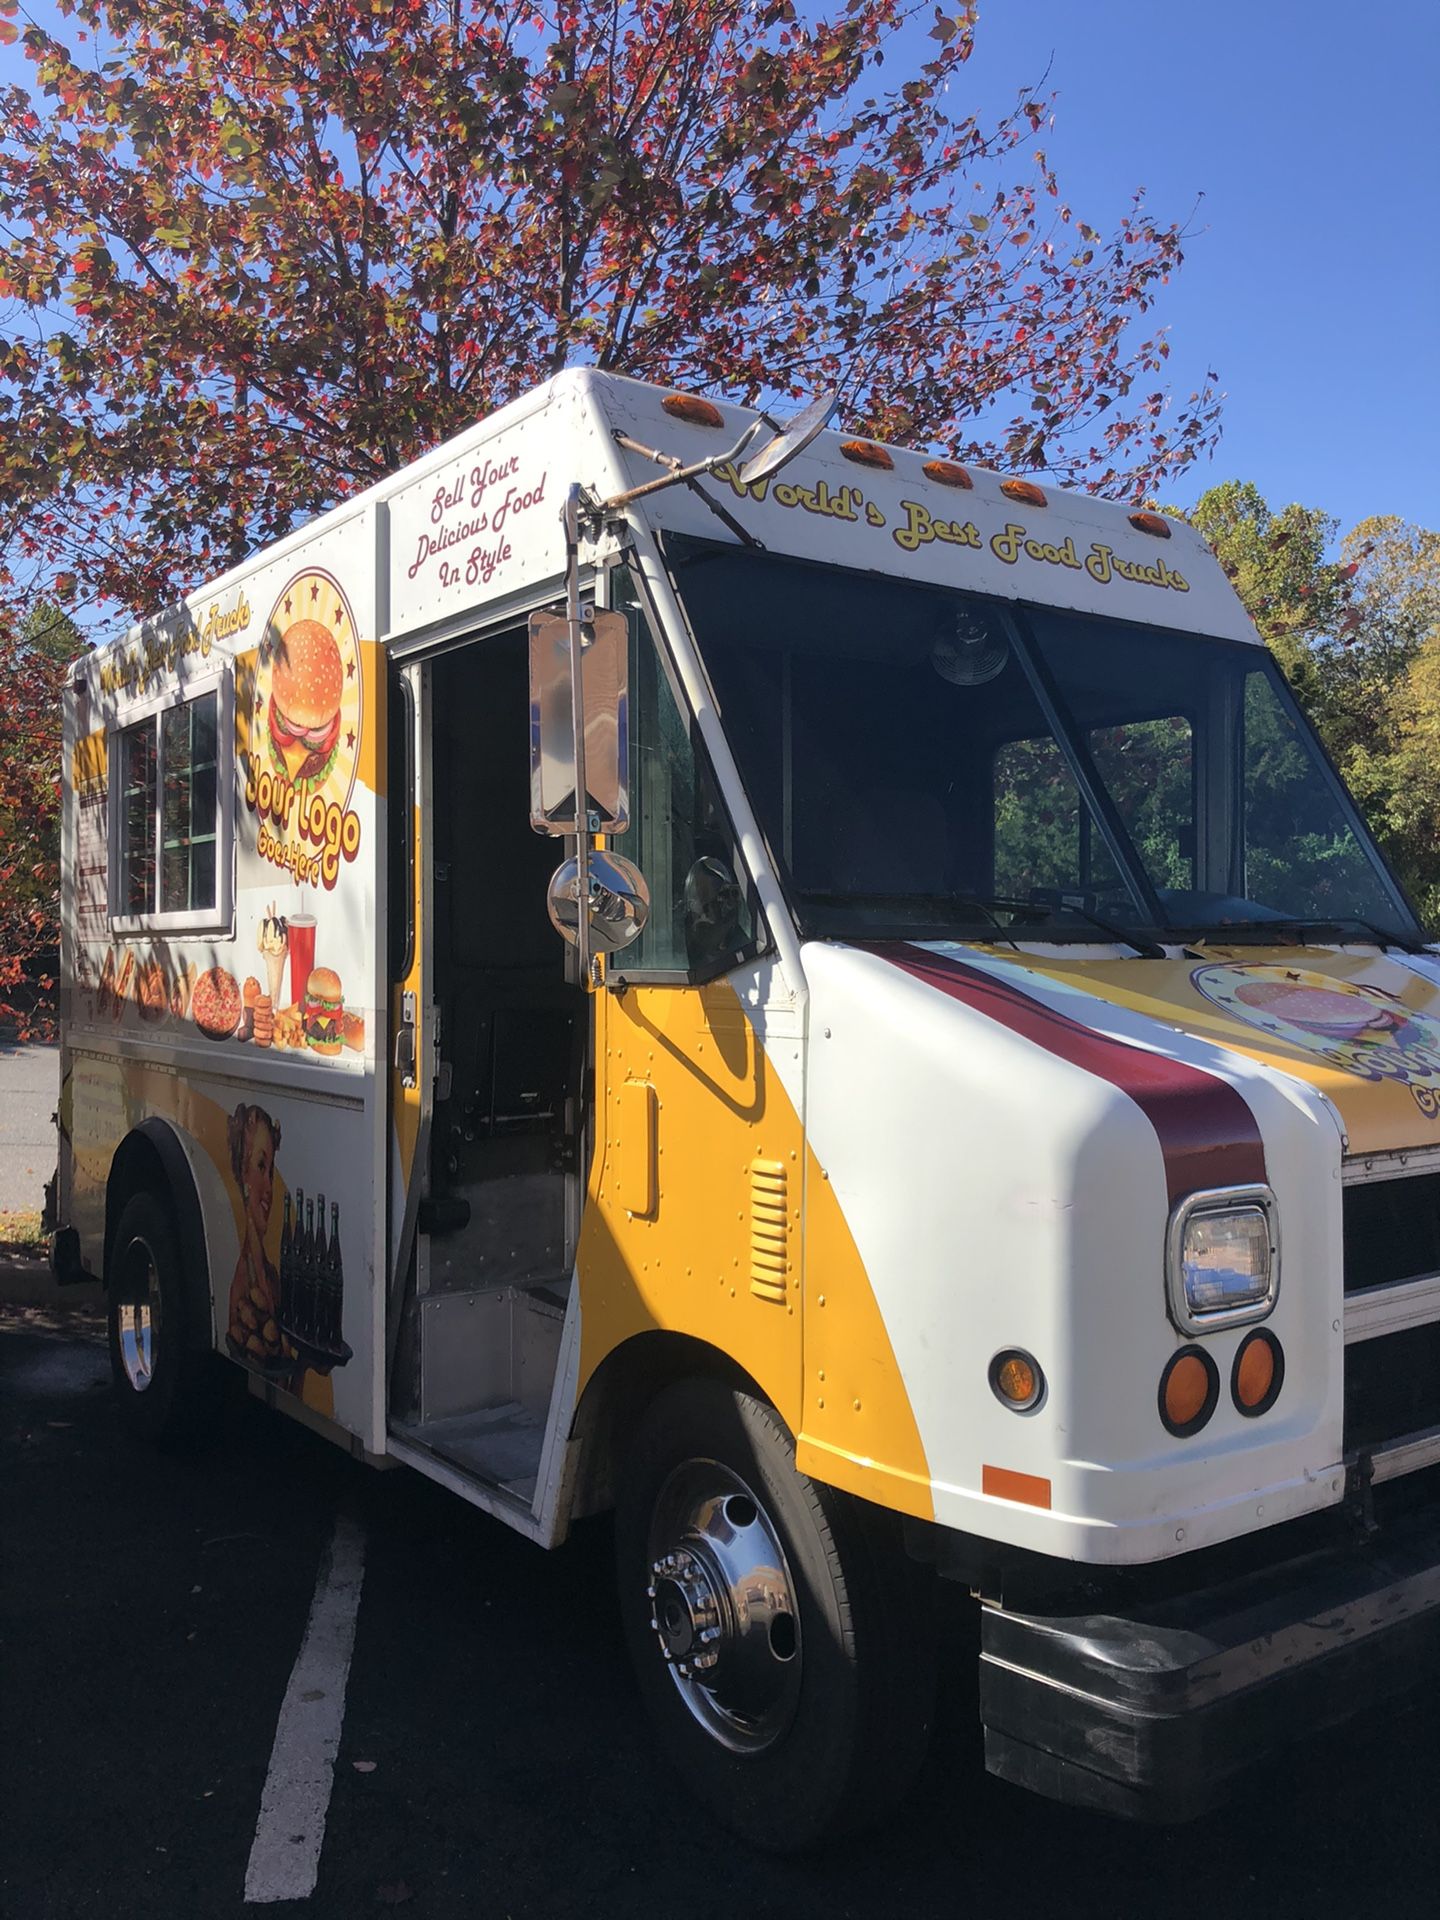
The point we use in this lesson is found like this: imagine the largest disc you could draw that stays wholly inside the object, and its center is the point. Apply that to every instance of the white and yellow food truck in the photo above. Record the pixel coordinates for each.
(981, 1123)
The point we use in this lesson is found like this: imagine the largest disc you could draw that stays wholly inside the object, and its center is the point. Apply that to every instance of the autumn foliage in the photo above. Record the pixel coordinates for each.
(255, 254)
(1355, 622)
(33, 659)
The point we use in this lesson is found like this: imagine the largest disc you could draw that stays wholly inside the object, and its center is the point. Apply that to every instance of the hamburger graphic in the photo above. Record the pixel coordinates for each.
(306, 682)
(322, 1012)
(1331, 1013)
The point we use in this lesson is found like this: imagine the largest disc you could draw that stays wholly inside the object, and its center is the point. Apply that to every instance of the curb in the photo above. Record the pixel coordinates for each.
(26, 1281)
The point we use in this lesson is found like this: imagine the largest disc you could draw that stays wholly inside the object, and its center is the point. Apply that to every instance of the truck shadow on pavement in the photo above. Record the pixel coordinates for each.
(153, 1605)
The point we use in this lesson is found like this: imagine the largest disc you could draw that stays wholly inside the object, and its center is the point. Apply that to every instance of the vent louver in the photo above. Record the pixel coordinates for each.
(769, 1231)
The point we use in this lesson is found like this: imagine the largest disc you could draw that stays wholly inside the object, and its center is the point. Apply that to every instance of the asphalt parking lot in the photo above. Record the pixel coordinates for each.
(490, 1761)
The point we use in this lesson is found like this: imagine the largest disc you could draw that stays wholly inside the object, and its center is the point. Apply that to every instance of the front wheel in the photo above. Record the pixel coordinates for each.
(160, 1368)
(783, 1644)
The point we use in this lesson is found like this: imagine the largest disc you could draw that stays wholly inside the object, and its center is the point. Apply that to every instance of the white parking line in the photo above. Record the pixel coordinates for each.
(285, 1855)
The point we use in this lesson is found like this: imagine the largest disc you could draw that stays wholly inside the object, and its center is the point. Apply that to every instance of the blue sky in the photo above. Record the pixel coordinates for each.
(1312, 281)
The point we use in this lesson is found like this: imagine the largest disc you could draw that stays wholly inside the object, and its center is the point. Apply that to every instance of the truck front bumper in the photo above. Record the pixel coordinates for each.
(1156, 1713)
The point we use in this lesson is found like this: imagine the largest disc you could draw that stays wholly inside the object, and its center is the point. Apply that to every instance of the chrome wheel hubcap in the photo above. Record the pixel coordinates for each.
(723, 1606)
(138, 1316)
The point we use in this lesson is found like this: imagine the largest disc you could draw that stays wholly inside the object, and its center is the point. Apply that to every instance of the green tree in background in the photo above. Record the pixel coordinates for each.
(1359, 639)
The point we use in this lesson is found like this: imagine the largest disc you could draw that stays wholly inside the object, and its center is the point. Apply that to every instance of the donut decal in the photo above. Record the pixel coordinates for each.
(1358, 1028)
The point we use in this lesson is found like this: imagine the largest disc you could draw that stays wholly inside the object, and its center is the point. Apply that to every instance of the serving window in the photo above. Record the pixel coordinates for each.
(169, 859)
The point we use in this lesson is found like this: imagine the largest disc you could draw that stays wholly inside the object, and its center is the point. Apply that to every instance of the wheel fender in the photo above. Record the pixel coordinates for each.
(617, 1394)
(152, 1156)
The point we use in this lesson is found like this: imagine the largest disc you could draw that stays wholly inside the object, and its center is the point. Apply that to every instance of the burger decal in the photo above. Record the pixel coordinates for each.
(1355, 1026)
(322, 1013)
(300, 732)
(307, 683)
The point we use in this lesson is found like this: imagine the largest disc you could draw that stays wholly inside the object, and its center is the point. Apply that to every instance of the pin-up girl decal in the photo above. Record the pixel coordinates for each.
(253, 1332)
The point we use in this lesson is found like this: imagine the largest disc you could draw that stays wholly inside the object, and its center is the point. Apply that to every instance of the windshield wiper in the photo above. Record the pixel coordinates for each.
(1029, 912)
(1147, 949)
(1297, 929)
(933, 906)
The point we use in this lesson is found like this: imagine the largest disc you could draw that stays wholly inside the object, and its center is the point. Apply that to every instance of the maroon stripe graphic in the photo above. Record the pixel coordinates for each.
(1206, 1130)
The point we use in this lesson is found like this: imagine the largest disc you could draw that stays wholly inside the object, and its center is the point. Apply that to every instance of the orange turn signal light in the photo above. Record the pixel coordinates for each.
(947, 473)
(1189, 1389)
(1025, 491)
(1016, 1379)
(1258, 1373)
(689, 406)
(865, 453)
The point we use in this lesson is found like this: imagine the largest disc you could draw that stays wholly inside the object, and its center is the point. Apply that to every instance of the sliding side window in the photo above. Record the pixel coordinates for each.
(169, 859)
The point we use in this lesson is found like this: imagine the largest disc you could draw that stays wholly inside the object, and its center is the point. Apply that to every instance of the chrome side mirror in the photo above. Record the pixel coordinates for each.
(617, 907)
(604, 640)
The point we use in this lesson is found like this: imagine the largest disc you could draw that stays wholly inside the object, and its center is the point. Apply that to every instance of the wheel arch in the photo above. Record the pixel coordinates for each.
(617, 1394)
(151, 1159)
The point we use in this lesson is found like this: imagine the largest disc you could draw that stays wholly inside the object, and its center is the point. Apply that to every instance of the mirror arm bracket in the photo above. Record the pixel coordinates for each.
(676, 473)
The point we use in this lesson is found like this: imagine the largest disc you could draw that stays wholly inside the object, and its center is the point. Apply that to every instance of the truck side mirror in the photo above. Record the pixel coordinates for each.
(604, 699)
(618, 901)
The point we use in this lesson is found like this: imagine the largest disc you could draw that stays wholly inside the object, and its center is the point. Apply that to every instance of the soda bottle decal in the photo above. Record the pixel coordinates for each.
(286, 1270)
(307, 1276)
(334, 1282)
(297, 1256)
(320, 1333)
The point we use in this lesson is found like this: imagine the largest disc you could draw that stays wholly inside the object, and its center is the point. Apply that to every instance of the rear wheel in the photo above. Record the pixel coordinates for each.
(782, 1642)
(161, 1370)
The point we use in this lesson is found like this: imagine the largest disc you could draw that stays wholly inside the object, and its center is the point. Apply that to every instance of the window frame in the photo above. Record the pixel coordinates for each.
(762, 941)
(216, 919)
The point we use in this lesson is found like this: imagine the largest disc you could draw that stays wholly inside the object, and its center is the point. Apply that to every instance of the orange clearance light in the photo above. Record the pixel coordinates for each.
(1189, 1389)
(1155, 523)
(1016, 1379)
(865, 453)
(1025, 491)
(1258, 1373)
(947, 473)
(689, 406)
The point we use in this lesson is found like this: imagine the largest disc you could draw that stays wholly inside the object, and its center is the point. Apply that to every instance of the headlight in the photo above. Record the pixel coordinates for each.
(1223, 1259)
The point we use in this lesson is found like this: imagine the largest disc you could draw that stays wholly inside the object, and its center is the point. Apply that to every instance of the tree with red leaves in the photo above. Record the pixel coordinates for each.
(34, 655)
(259, 253)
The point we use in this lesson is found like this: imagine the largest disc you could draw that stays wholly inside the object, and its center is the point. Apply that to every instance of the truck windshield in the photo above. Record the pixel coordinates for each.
(932, 764)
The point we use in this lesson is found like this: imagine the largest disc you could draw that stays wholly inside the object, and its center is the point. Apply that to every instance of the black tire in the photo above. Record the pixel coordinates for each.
(850, 1727)
(160, 1361)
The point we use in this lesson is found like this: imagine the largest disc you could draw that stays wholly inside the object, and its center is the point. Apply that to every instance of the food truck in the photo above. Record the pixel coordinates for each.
(821, 999)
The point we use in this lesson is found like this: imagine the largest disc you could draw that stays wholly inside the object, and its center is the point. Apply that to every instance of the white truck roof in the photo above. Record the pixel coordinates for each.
(843, 501)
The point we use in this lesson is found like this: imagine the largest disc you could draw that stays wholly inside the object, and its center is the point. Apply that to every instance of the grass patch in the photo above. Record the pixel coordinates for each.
(20, 1231)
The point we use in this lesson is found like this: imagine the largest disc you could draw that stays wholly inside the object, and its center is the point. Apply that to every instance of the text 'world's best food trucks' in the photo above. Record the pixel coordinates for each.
(823, 1000)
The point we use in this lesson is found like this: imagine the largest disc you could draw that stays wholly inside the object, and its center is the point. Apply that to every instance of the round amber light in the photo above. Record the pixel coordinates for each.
(689, 406)
(865, 453)
(1025, 491)
(946, 473)
(1016, 1379)
(1189, 1388)
(1155, 523)
(1258, 1372)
